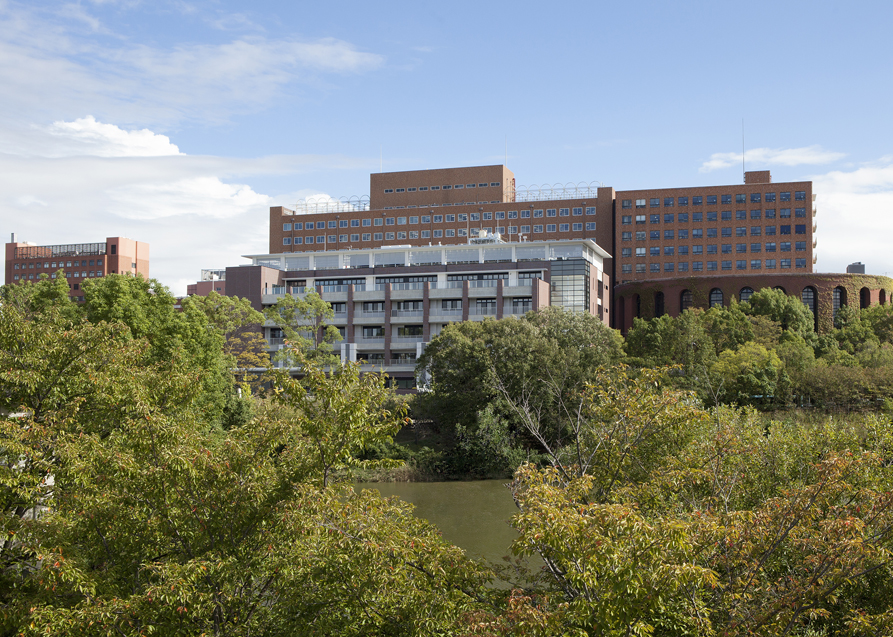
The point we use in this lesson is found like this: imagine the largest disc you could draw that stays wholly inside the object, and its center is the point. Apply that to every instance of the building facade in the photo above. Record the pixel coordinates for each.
(78, 261)
(390, 302)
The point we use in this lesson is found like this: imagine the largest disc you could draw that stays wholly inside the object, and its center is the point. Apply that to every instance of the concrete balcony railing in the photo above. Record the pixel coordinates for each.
(408, 313)
(408, 339)
(482, 311)
(436, 311)
(403, 361)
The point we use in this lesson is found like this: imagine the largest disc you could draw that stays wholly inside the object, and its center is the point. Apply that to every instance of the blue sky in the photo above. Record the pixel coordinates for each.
(180, 123)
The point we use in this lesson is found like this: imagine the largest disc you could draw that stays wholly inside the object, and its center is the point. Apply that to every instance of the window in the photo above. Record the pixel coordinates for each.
(378, 222)
(564, 212)
(683, 234)
(740, 198)
(726, 215)
(755, 214)
(726, 265)
(475, 216)
(785, 246)
(512, 214)
(800, 263)
(526, 229)
(697, 249)
(785, 264)
(697, 266)
(449, 218)
(390, 221)
(626, 236)
(711, 248)
(626, 220)
(655, 202)
(640, 203)
(668, 267)
(590, 226)
(654, 251)
(640, 268)
(741, 265)
(537, 229)
(711, 233)
(342, 238)
(716, 297)
(683, 217)
(308, 239)
(784, 213)
(627, 203)
(298, 240)
(799, 212)
(800, 228)
(654, 235)
(450, 232)
(320, 225)
(668, 218)
(488, 216)
(627, 268)
(640, 252)
(654, 218)
(626, 252)
(697, 216)
(655, 267)
(770, 264)
(590, 210)
(800, 195)
(438, 234)
(683, 201)
(770, 230)
(726, 199)
(784, 229)
(578, 227)
(711, 200)
(711, 216)
(550, 212)
(800, 246)
(494, 183)
(389, 236)
(697, 233)
(668, 251)
(683, 266)
(741, 215)
(640, 219)
(740, 232)
(683, 250)
(770, 247)
(668, 235)
(740, 247)
(342, 223)
(286, 241)
(286, 227)
(413, 220)
(755, 247)
(755, 231)
(500, 214)
(563, 227)
(550, 227)
(367, 236)
(756, 264)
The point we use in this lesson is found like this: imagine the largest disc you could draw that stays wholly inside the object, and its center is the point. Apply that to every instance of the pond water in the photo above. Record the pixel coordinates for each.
(472, 515)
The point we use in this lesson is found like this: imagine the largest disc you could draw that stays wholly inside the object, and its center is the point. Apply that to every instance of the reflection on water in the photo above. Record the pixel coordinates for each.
(472, 515)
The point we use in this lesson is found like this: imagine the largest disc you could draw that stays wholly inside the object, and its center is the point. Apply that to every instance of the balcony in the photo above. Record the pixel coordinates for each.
(441, 312)
(408, 313)
(407, 339)
(403, 361)
(482, 311)
(488, 283)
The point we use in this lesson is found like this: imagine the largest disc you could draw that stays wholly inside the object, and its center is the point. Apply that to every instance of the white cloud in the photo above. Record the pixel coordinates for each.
(808, 155)
(854, 218)
(69, 70)
(89, 137)
(194, 211)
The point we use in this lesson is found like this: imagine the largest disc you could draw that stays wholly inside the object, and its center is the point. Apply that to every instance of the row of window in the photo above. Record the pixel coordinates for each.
(57, 264)
(484, 184)
(697, 233)
(436, 234)
(70, 275)
(462, 217)
(725, 248)
(725, 215)
(711, 200)
(712, 266)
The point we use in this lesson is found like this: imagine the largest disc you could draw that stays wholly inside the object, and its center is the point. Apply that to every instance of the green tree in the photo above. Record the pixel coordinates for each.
(788, 311)
(749, 375)
(302, 320)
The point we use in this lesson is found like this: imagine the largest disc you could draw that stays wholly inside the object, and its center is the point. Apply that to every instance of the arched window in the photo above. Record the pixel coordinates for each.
(778, 287)
(808, 297)
(685, 300)
(745, 294)
(715, 297)
(882, 297)
(838, 300)
(864, 298)
(658, 304)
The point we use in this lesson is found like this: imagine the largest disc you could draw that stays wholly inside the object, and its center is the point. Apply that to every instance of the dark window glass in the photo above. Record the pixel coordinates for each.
(711, 200)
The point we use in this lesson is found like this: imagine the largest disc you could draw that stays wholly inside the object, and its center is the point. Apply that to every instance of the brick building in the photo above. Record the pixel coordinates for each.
(79, 261)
